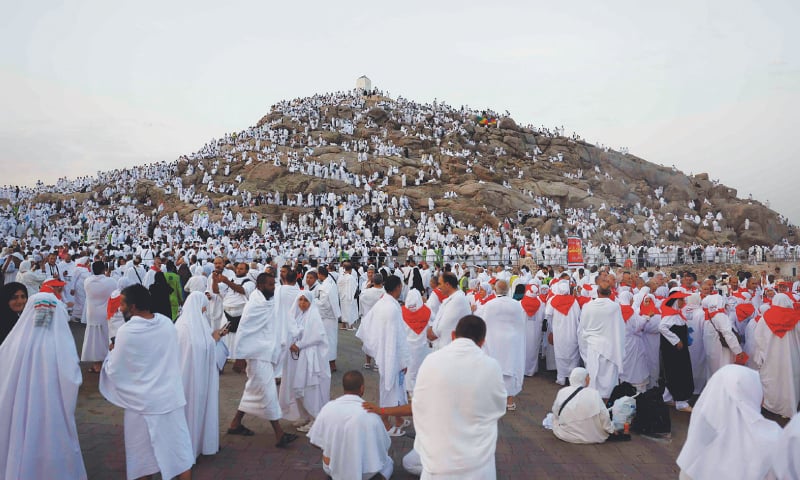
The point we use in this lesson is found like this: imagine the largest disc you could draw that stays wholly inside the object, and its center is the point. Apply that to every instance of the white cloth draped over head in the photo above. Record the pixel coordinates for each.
(257, 336)
(38, 394)
(727, 423)
(138, 380)
(603, 330)
(199, 373)
(386, 340)
(414, 300)
(505, 339)
(786, 461)
(576, 410)
(561, 288)
(307, 376)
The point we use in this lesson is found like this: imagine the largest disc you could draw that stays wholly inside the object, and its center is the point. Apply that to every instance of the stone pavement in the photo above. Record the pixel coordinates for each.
(524, 450)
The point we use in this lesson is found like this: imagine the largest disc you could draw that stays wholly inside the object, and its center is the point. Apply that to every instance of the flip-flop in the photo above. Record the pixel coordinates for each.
(396, 431)
(511, 407)
(241, 430)
(285, 440)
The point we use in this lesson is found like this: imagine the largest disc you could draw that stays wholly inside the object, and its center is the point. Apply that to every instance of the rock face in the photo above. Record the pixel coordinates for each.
(619, 190)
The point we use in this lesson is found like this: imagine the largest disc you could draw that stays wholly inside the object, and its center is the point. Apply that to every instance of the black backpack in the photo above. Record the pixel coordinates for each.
(652, 415)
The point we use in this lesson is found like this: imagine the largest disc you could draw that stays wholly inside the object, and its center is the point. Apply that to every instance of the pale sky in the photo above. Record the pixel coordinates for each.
(710, 86)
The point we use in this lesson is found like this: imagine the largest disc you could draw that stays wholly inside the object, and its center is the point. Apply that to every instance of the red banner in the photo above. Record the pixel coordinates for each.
(574, 252)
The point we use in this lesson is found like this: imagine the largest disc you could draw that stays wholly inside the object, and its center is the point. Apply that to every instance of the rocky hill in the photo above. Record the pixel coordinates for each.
(627, 198)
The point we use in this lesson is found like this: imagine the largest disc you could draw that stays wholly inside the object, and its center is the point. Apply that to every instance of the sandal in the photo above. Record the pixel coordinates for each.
(367, 366)
(511, 407)
(285, 440)
(93, 370)
(241, 430)
(396, 431)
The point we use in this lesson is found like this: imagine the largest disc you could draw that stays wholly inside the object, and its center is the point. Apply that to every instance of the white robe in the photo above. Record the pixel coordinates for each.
(584, 419)
(696, 321)
(458, 438)
(355, 441)
(452, 309)
(786, 461)
(726, 423)
(602, 343)
(634, 364)
(258, 343)
(326, 297)
(42, 375)
(79, 298)
(346, 287)
(98, 289)
(718, 356)
(565, 338)
(505, 339)
(142, 375)
(388, 342)
(200, 375)
(533, 340)
(306, 377)
(778, 363)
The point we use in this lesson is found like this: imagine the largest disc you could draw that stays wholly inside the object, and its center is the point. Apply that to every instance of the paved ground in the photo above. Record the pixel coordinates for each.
(524, 450)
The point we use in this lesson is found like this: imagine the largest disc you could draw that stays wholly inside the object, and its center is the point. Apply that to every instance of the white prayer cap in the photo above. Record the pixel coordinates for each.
(578, 377)
(413, 300)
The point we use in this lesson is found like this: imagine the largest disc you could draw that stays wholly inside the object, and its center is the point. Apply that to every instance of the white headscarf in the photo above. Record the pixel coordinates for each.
(193, 318)
(297, 317)
(726, 423)
(782, 300)
(413, 300)
(577, 377)
(561, 288)
(41, 375)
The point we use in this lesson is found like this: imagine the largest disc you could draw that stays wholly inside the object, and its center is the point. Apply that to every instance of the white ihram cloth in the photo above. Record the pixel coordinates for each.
(200, 375)
(453, 308)
(77, 283)
(696, 321)
(387, 340)
(346, 287)
(602, 343)
(785, 459)
(778, 363)
(726, 423)
(258, 344)
(307, 377)
(285, 295)
(533, 334)
(326, 297)
(368, 298)
(505, 339)
(565, 333)
(634, 364)
(456, 438)
(585, 418)
(718, 356)
(418, 347)
(95, 340)
(38, 394)
(142, 375)
(354, 440)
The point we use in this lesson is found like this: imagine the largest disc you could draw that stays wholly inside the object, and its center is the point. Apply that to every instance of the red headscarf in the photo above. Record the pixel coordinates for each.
(627, 312)
(781, 319)
(417, 320)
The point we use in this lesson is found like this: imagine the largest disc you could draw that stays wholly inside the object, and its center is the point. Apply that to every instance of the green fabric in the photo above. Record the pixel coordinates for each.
(176, 297)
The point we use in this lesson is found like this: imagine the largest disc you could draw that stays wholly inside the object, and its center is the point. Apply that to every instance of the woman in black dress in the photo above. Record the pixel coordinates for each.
(13, 297)
(160, 292)
(677, 365)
